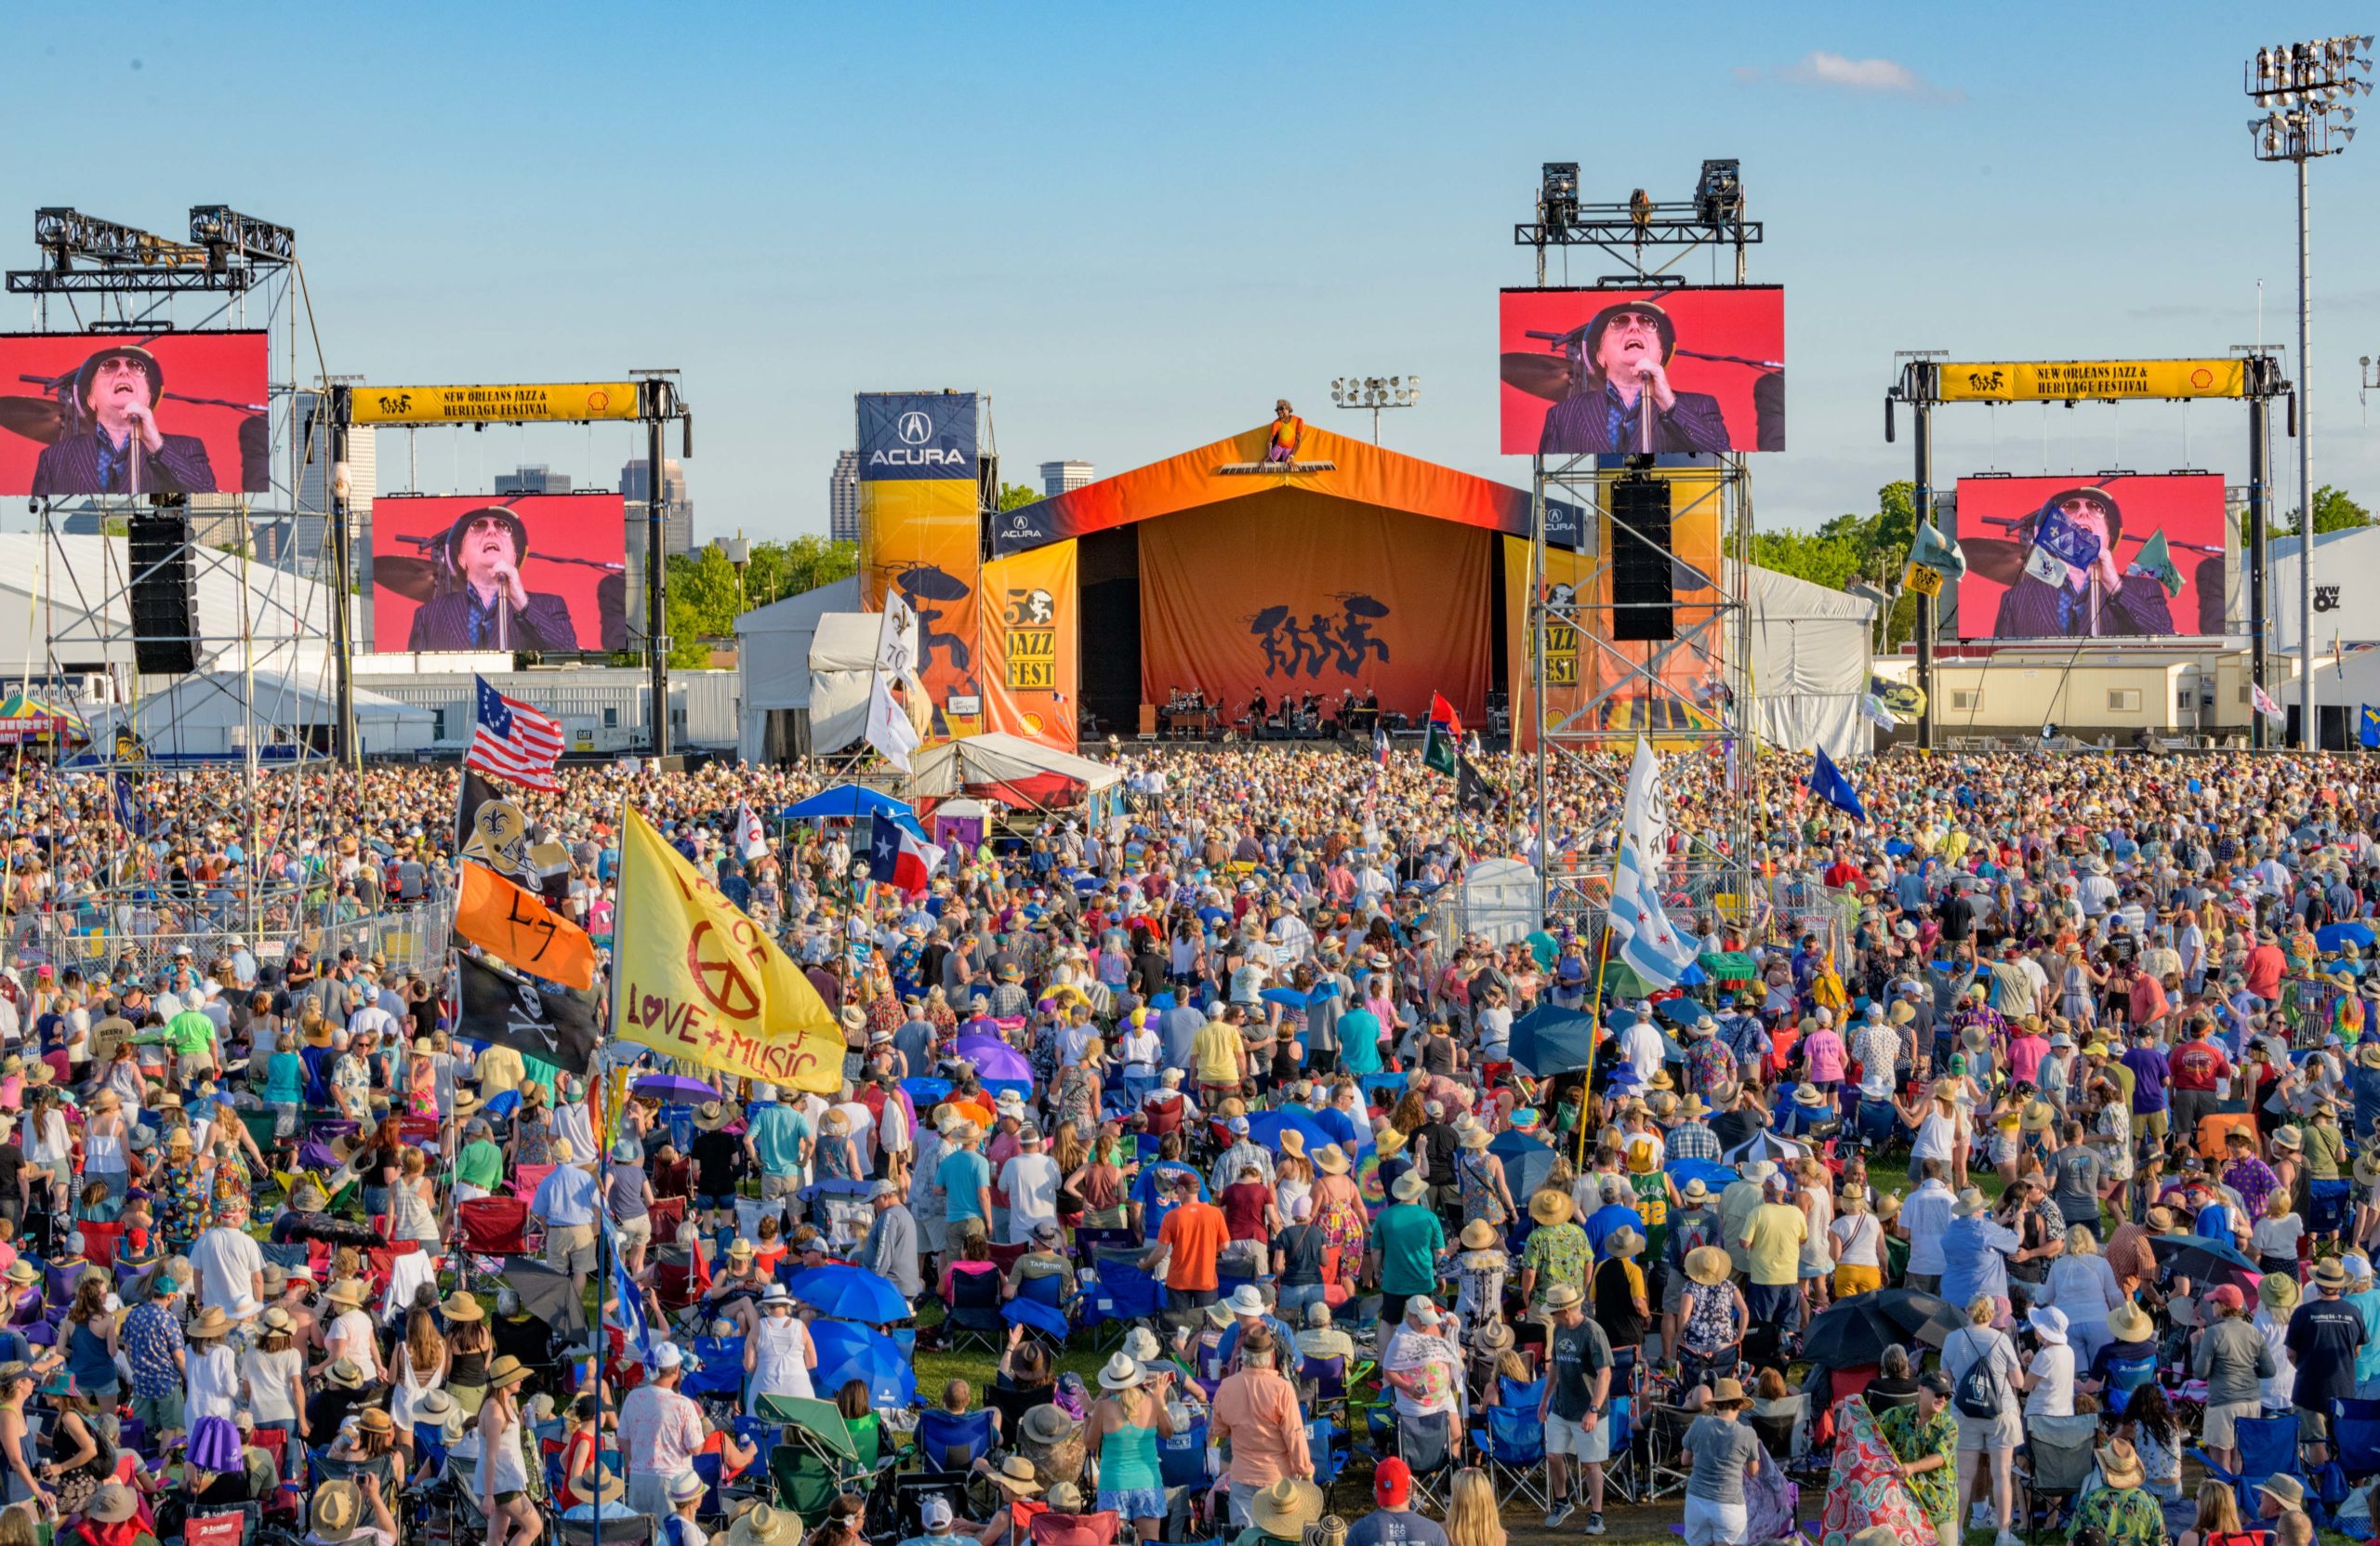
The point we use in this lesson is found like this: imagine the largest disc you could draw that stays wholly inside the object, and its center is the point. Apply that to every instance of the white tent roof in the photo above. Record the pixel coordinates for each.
(772, 644)
(996, 758)
(842, 674)
(211, 701)
(74, 589)
(1810, 650)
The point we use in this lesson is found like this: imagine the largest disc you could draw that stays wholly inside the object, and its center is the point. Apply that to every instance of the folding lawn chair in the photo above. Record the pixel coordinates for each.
(1514, 1442)
(952, 1443)
(2060, 1454)
(2268, 1448)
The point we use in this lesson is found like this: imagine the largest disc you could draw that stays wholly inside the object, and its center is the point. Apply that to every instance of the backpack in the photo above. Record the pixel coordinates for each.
(1980, 1392)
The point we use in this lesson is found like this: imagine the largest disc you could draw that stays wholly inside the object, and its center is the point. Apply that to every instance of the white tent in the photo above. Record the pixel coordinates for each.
(66, 599)
(202, 715)
(842, 674)
(1810, 661)
(983, 762)
(772, 656)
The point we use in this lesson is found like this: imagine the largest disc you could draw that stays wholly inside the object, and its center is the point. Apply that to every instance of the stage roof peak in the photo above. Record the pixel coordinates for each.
(1333, 465)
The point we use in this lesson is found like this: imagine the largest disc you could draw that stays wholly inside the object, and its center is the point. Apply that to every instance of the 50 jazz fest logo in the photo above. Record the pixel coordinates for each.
(1030, 621)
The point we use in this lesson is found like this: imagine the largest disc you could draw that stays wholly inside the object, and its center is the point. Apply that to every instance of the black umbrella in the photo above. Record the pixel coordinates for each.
(1854, 1332)
(1267, 620)
(923, 582)
(546, 1293)
(2207, 1262)
(1361, 605)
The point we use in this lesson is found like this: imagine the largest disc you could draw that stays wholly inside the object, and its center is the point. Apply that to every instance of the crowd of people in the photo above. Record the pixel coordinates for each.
(2039, 1096)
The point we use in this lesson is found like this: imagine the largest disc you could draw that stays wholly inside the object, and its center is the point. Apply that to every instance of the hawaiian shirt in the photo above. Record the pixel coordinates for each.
(1912, 1438)
(151, 1336)
(180, 1195)
(2126, 1517)
(1559, 1253)
(1708, 1065)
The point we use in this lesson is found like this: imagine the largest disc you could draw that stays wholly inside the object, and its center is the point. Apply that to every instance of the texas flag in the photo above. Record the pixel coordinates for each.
(896, 858)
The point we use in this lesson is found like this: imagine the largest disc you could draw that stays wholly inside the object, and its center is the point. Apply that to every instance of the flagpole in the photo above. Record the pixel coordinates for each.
(1595, 1019)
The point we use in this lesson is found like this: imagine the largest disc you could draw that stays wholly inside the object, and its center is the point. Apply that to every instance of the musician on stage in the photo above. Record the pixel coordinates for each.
(118, 448)
(1621, 397)
(488, 608)
(1256, 709)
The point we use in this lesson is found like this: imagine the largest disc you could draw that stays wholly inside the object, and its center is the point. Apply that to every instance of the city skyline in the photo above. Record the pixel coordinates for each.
(1916, 196)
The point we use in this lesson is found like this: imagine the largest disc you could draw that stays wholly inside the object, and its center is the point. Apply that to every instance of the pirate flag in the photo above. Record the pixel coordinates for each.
(535, 1019)
(1472, 790)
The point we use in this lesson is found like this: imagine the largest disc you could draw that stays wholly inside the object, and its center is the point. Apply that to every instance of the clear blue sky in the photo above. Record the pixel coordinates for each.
(1133, 227)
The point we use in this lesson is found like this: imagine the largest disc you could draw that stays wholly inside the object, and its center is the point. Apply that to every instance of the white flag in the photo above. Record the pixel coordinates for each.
(750, 841)
(1652, 948)
(896, 637)
(2045, 567)
(1644, 819)
(889, 729)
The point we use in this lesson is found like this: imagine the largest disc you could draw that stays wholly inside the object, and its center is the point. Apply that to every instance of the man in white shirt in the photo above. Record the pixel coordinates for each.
(1923, 1218)
(1640, 1045)
(230, 1267)
(1030, 1178)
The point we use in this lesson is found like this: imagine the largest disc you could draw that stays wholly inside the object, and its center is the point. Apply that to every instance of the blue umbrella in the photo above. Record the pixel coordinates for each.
(1679, 1011)
(2334, 937)
(847, 1352)
(1549, 1040)
(1527, 1160)
(850, 803)
(1710, 1172)
(926, 1092)
(850, 1293)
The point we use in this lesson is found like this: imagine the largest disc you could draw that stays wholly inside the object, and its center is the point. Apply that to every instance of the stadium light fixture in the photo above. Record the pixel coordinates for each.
(1374, 394)
(2300, 89)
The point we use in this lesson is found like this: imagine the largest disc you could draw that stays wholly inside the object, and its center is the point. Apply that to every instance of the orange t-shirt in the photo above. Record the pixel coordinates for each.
(1196, 1234)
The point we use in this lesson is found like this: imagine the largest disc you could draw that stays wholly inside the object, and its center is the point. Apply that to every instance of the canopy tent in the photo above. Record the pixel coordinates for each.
(29, 721)
(209, 714)
(772, 656)
(1015, 772)
(854, 802)
(1810, 661)
(842, 672)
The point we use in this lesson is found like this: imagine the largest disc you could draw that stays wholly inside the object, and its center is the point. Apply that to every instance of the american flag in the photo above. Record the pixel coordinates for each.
(513, 741)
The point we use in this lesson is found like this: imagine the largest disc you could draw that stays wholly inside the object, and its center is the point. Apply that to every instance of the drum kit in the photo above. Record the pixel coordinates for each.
(1187, 716)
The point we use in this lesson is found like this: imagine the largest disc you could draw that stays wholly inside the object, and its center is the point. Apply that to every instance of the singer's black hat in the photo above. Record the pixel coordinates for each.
(1593, 340)
(90, 368)
(455, 534)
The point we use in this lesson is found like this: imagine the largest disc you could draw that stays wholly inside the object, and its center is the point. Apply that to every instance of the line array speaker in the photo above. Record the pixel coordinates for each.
(165, 594)
(1643, 591)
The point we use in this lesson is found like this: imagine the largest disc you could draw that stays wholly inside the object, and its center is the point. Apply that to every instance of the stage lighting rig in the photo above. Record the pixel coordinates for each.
(83, 253)
(224, 230)
(1719, 192)
(1557, 195)
(1375, 392)
(1628, 227)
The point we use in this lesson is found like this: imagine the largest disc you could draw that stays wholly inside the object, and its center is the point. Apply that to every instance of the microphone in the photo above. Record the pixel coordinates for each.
(1731, 359)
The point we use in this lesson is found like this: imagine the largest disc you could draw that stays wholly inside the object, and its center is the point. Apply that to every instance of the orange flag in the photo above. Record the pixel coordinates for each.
(517, 926)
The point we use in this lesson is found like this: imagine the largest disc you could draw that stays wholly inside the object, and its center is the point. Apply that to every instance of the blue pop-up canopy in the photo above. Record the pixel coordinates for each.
(850, 803)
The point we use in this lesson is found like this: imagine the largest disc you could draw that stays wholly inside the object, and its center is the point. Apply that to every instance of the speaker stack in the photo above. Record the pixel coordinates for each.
(1643, 591)
(165, 594)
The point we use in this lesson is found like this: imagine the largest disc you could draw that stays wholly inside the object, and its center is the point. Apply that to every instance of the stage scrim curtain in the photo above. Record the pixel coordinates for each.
(1032, 615)
(1290, 591)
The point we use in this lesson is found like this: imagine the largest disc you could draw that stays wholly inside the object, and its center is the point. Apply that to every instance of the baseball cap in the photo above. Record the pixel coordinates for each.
(934, 1513)
(1391, 1483)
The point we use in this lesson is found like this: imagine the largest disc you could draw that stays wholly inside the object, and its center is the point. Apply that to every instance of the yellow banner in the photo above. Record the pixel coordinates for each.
(549, 401)
(1922, 581)
(2059, 380)
(696, 979)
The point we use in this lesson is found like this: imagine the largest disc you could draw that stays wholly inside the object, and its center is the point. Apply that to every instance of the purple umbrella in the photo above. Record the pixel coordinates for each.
(996, 1059)
(673, 1088)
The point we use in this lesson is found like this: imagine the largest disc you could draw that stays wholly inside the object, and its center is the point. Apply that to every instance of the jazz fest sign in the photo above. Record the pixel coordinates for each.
(546, 403)
(2065, 380)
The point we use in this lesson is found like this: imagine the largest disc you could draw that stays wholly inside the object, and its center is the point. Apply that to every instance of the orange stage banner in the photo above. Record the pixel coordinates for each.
(918, 537)
(1297, 592)
(1032, 622)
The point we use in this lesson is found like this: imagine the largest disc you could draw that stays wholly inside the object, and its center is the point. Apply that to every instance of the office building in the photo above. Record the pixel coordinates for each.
(842, 498)
(678, 507)
(532, 480)
(1059, 477)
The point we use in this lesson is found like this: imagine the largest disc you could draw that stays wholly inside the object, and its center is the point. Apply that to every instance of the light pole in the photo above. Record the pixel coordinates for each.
(1375, 392)
(2298, 87)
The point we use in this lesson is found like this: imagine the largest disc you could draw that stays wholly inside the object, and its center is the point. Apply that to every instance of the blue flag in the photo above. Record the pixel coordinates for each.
(631, 1298)
(1828, 782)
(2368, 726)
(2065, 540)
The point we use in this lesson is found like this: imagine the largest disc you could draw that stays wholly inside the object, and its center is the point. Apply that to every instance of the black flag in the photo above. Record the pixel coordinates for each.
(1472, 790)
(491, 827)
(533, 1017)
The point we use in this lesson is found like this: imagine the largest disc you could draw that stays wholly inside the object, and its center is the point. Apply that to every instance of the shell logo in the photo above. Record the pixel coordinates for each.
(2201, 377)
(1033, 725)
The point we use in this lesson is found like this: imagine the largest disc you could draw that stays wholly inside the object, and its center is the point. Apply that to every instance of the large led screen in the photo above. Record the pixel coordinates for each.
(543, 572)
(1587, 371)
(2079, 556)
(134, 413)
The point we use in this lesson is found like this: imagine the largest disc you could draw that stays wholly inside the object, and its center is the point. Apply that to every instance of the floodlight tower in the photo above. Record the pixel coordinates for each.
(2300, 88)
(1375, 392)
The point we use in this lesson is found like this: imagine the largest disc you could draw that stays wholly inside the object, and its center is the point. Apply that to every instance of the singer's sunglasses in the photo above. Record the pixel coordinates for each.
(2079, 507)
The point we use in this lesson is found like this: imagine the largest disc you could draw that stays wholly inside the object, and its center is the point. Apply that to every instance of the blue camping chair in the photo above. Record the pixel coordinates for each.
(1035, 1317)
(2127, 1375)
(976, 1310)
(1326, 1445)
(1182, 1459)
(1371, 1084)
(718, 1367)
(950, 1442)
(1514, 1441)
(2355, 1438)
(2268, 1448)
(1122, 1294)
(1048, 1291)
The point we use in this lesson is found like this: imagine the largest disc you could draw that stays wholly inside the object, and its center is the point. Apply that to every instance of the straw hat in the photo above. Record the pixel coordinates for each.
(1408, 1187)
(763, 1525)
(337, 1510)
(1390, 1141)
(1331, 1159)
(376, 1419)
(712, 1115)
(1121, 1373)
(346, 1373)
(1285, 1509)
(1016, 1477)
(2120, 1465)
(1708, 1266)
(1551, 1207)
(347, 1291)
(1726, 1392)
(1624, 1241)
(1562, 1296)
(1478, 1234)
(506, 1371)
(460, 1306)
(1694, 1192)
(211, 1322)
(2131, 1323)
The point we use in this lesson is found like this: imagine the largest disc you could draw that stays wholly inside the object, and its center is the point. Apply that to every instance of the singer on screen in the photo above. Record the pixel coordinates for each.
(111, 443)
(1621, 397)
(2057, 599)
(488, 608)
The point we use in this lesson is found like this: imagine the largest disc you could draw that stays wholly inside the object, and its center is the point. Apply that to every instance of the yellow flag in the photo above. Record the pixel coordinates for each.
(695, 978)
